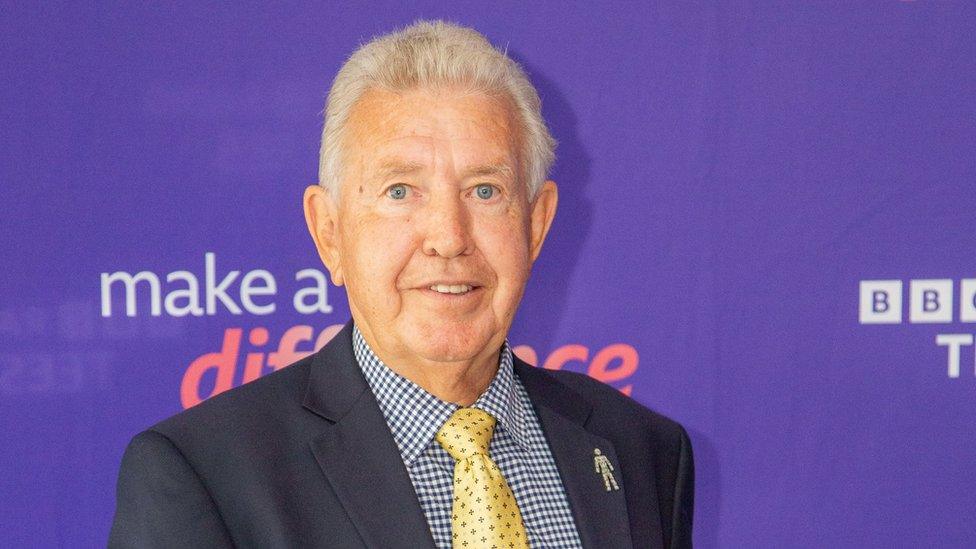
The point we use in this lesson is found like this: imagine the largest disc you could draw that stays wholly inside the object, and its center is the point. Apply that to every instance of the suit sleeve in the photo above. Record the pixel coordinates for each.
(161, 501)
(684, 496)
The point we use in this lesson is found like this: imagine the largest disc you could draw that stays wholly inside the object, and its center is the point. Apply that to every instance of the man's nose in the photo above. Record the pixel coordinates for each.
(448, 228)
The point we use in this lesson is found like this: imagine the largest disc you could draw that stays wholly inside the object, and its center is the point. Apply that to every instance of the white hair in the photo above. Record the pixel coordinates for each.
(432, 54)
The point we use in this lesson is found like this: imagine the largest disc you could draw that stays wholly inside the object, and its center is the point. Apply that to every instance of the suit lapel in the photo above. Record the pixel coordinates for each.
(601, 515)
(357, 453)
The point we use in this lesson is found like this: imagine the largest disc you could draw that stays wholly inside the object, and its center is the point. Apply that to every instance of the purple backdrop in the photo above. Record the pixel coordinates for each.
(736, 179)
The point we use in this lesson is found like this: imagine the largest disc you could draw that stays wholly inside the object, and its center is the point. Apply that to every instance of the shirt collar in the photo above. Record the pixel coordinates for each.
(414, 415)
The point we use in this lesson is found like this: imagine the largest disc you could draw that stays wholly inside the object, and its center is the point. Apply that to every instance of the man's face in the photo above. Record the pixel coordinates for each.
(433, 232)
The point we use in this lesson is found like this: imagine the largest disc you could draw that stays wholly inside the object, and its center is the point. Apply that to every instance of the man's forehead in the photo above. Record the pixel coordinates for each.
(395, 166)
(434, 114)
(402, 133)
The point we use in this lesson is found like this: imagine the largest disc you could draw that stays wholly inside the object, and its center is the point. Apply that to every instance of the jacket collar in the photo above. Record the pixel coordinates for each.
(357, 454)
(335, 383)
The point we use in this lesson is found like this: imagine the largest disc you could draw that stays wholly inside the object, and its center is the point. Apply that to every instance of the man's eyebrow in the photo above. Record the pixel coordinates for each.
(396, 168)
(497, 168)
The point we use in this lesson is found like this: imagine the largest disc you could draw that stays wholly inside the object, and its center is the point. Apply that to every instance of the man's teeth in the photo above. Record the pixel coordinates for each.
(451, 289)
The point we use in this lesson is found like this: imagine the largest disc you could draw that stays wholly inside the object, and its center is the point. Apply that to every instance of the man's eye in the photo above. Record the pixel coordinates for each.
(397, 192)
(484, 191)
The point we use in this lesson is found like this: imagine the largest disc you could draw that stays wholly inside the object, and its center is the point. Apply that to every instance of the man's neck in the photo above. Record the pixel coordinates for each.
(460, 382)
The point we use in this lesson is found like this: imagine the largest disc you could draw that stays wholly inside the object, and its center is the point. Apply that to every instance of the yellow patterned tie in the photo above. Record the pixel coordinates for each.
(485, 513)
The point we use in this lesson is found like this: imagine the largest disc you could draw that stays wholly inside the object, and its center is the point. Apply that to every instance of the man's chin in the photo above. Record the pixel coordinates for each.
(441, 352)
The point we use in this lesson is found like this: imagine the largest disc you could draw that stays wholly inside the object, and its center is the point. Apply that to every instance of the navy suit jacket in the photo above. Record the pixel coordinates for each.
(304, 458)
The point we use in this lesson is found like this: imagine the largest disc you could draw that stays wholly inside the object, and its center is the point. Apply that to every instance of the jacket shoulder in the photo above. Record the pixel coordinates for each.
(275, 395)
(615, 409)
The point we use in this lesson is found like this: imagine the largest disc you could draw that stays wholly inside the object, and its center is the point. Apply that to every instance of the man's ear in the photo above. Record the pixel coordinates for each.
(543, 211)
(321, 211)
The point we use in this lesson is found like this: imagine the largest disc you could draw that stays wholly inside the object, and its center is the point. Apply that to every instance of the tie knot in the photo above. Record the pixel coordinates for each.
(466, 433)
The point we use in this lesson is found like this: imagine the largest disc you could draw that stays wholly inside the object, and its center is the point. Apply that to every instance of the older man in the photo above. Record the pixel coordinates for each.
(417, 426)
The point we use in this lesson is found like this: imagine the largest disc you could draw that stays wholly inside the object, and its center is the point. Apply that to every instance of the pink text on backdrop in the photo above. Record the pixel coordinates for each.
(611, 364)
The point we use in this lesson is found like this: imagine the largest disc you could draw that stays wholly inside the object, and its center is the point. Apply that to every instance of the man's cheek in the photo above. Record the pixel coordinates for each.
(503, 231)
(385, 247)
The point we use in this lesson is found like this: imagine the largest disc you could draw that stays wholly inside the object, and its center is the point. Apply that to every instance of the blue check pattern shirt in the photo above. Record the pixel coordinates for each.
(518, 446)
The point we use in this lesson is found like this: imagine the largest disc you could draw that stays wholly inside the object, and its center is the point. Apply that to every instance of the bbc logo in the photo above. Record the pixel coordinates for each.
(930, 301)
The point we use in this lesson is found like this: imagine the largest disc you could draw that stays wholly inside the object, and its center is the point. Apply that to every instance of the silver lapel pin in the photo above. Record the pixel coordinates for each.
(602, 465)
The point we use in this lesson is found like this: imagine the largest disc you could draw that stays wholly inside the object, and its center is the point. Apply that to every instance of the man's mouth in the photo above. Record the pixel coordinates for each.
(451, 288)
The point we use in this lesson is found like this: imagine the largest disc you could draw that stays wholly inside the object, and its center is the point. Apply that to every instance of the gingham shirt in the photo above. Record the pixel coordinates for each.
(518, 446)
